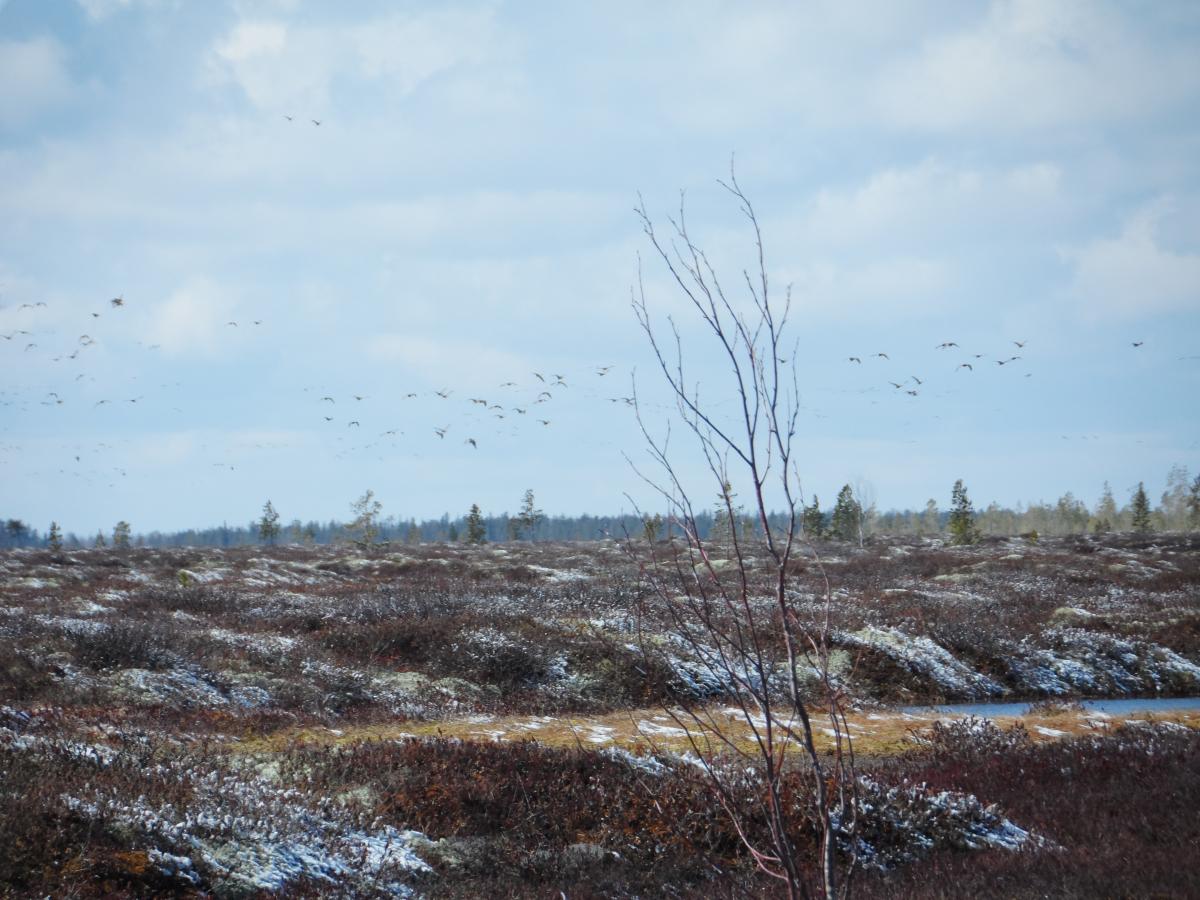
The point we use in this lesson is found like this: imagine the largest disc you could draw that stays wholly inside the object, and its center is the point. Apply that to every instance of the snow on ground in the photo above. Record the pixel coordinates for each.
(921, 655)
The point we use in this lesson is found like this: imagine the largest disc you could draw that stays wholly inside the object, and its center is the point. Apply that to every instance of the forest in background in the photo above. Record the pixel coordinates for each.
(853, 517)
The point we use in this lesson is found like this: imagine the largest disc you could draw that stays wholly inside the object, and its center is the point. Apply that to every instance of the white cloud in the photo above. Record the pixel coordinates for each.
(932, 198)
(901, 287)
(102, 9)
(33, 78)
(1133, 274)
(449, 362)
(192, 321)
(1036, 64)
(284, 67)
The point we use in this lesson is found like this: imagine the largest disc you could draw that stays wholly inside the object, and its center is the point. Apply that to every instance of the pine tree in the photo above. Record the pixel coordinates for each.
(1106, 515)
(268, 525)
(1141, 511)
(365, 526)
(962, 517)
(651, 526)
(476, 530)
(931, 520)
(812, 520)
(530, 516)
(1173, 510)
(413, 536)
(100, 543)
(722, 529)
(1194, 505)
(121, 534)
(54, 538)
(847, 516)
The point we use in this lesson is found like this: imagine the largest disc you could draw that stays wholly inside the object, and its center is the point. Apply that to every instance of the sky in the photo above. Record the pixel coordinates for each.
(982, 174)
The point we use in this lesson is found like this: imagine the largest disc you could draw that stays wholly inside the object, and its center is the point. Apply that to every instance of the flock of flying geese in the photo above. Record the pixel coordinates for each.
(532, 400)
(969, 366)
(529, 401)
(946, 345)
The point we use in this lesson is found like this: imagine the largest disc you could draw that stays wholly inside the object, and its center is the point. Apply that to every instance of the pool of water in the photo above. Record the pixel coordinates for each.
(1121, 706)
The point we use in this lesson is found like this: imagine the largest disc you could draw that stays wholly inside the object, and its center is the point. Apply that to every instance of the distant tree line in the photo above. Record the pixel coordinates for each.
(853, 517)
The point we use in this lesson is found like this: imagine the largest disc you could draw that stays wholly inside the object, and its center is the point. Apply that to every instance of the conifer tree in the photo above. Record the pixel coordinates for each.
(812, 520)
(651, 526)
(530, 516)
(963, 529)
(476, 530)
(1141, 511)
(54, 538)
(1106, 515)
(847, 516)
(1193, 503)
(121, 535)
(365, 526)
(268, 525)
(931, 521)
(100, 543)
(722, 531)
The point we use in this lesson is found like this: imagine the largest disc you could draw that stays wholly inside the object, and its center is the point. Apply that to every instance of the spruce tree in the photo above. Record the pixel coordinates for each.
(847, 516)
(54, 538)
(530, 516)
(365, 526)
(268, 525)
(121, 534)
(962, 517)
(1106, 515)
(100, 543)
(476, 530)
(722, 531)
(651, 526)
(1193, 503)
(931, 520)
(1141, 511)
(812, 520)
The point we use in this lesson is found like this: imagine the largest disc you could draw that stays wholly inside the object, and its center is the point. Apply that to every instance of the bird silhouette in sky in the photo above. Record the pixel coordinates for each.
(965, 366)
(946, 345)
(117, 301)
(855, 359)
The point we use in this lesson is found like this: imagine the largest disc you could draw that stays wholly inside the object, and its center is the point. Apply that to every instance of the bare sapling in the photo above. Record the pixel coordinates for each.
(751, 649)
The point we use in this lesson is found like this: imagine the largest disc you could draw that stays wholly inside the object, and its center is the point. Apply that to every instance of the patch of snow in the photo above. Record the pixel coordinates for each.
(924, 657)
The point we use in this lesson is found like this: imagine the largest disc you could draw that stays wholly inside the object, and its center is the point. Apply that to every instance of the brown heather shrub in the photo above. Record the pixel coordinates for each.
(533, 798)
(1122, 808)
(47, 849)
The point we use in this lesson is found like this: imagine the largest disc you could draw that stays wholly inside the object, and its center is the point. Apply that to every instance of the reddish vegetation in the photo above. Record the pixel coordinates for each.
(158, 676)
